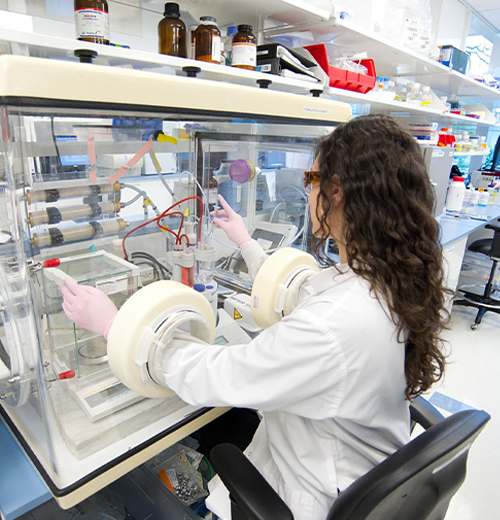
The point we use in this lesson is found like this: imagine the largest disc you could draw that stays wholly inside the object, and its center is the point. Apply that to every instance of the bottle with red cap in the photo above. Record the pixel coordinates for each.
(455, 196)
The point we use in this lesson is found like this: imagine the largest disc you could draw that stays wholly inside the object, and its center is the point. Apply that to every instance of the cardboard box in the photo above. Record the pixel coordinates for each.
(455, 58)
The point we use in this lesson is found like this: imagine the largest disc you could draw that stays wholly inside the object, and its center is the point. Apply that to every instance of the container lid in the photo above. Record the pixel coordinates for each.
(245, 27)
(458, 179)
(232, 29)
(172, 9)
(241, 171)
(208, 19)
(199, 287)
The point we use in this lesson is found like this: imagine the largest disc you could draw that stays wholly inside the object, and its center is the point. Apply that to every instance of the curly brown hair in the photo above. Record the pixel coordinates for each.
(390, 233)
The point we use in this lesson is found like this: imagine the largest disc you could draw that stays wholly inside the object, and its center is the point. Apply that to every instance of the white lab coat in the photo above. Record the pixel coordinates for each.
(329, 380)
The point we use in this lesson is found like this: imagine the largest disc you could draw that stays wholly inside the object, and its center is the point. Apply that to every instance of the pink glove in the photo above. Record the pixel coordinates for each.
(88, 307)
(232, 224)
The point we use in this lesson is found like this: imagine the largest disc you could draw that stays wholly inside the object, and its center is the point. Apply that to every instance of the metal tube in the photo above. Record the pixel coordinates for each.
(56, 236)
(56, 215)
(56, 194)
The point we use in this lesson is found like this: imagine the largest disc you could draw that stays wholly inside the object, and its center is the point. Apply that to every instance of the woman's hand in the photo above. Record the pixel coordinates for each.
(88, 307)
(232, 224)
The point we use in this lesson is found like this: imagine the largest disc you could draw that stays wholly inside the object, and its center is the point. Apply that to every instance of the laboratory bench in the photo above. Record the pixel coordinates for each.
(22, 489)
(472, 218)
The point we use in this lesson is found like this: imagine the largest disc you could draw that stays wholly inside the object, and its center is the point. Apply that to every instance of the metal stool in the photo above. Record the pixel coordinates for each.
(484, 302)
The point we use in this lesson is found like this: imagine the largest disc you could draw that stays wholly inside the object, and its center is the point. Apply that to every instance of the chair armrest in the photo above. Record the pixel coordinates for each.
(423, 413)
(247, 487)
(495, 227)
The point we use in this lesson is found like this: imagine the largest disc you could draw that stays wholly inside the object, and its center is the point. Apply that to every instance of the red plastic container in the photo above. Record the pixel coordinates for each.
(346, 79)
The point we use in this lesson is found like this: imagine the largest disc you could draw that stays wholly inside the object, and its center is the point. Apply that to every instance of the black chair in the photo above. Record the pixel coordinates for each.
(415, 483)
(483, 302)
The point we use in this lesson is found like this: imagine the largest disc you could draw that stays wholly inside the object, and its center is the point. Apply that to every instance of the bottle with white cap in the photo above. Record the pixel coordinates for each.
(474, 196)
(455, 196)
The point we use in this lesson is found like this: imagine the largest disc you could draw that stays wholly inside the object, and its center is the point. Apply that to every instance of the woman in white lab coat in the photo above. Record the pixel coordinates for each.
(334, 378)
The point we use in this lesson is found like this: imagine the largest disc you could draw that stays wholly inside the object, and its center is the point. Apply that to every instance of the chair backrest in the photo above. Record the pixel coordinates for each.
(417, 481)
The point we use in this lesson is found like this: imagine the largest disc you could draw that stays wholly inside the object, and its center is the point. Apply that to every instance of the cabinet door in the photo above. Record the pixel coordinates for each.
(452, 262)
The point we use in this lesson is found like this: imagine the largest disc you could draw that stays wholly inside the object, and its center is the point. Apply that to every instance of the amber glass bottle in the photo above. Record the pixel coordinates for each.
(212, 190)
(92, 21)
(207, 41)
(244, 48)
(172, 32)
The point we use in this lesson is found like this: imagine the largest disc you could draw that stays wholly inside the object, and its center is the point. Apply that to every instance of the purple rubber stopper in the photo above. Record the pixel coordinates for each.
(240, 171)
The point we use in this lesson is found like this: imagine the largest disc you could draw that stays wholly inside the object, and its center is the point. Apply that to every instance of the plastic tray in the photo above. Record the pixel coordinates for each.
(345, 79)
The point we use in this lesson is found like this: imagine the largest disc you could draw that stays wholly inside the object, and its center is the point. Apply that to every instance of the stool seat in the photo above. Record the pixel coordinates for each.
(482, 246)
(483, 302)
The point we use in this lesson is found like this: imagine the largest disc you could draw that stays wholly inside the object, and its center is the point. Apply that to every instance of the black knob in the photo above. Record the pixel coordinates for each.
(191, 71)
(264, 83)
(315, 92)
(85, 55)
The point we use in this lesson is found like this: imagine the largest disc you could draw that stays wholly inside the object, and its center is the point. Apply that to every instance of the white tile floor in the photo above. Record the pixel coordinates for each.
(471, 378)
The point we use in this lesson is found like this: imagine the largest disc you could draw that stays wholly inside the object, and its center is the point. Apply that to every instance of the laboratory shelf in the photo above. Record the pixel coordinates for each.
(393, 60)
(400, 108)
(53, 47)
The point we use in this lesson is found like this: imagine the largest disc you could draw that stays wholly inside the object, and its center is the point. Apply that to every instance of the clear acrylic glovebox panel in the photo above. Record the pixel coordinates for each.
(102, 188)
(75, 348)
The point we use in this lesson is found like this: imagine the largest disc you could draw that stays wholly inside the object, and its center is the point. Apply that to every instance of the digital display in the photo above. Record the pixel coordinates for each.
(220, 340)
(113, 390)
(99, 398)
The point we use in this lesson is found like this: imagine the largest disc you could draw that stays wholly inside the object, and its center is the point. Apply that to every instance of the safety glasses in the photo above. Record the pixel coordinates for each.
(310, 177)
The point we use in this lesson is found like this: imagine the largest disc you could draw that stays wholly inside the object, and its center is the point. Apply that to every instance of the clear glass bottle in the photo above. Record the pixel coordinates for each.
(92, 21)
(466, 142)
(447, 106)
(414, 94)
(172, 32)
(228, 44)
(426, 96)
(244, 48)
(401, 93)
(207, 40)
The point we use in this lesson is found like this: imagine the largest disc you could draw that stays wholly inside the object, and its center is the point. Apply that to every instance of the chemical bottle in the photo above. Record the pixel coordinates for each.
(228, 44)
(455, 196)
(207, 41)
(484, 197)
(414, 95)
(211, 295)
(426, 97)
(172, 32)
(209, 291)
(401, 93)
(212, 190)
(92, 21)
(466, 147)
(474, 197)
(467, 195)
(244, 48)
(474, 143)
(459, 144)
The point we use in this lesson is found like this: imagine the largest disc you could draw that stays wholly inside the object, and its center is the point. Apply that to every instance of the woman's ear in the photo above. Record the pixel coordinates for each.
(336, 193)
